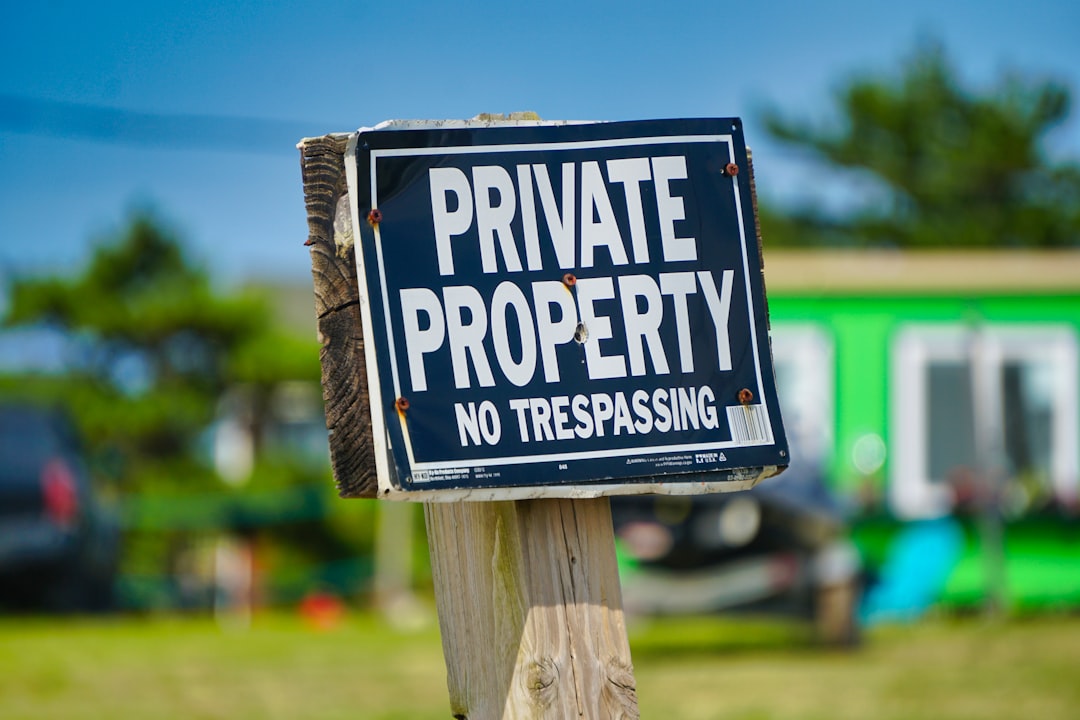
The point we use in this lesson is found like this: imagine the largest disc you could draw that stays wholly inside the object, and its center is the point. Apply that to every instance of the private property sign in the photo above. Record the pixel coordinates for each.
(563, 310)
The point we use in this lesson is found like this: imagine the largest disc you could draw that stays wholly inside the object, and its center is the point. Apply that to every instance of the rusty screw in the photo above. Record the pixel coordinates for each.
(374, 217)
(402, 404)
(569, 280)
(731, 169)
(745, 396)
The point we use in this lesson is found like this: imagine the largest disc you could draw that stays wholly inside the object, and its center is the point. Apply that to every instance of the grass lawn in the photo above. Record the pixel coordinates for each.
(703, 668)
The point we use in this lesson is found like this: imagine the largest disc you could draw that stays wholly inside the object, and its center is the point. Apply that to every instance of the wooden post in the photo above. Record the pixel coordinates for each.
(527, 591)
(530, 609)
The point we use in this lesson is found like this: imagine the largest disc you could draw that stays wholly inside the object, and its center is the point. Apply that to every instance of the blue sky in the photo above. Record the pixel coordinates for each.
(214, 95)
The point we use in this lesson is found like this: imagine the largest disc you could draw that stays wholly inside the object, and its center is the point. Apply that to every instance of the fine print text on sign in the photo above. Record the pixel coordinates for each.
(563, 309)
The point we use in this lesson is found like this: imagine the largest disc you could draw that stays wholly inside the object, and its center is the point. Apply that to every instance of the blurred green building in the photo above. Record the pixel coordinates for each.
(941, 383)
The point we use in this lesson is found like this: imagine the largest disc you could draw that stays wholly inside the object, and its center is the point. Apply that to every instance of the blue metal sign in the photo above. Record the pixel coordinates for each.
(564, 308)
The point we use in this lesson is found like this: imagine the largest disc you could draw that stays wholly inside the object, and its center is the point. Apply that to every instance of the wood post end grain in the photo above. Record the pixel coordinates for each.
(333, 271)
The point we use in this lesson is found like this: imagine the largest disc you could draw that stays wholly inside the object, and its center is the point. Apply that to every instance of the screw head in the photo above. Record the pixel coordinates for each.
(731, 169)
(569, 280)
(374, 217)
(402, 404)
(746, 396)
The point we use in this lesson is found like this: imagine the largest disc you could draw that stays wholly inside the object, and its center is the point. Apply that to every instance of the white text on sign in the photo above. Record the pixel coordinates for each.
(547, 313)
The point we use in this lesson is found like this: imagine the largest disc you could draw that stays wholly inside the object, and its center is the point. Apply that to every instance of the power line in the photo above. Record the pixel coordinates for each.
(99, 123)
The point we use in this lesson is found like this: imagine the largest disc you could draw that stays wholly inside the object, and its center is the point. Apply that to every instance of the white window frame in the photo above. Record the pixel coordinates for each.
(912, 493)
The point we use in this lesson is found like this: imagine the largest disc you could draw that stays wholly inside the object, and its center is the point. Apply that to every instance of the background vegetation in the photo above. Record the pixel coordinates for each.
(932, 163)
(155, 360)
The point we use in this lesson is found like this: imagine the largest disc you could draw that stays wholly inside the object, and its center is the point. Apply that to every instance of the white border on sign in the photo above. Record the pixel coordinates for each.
(582, 491)
(380, 438)
(378, 426)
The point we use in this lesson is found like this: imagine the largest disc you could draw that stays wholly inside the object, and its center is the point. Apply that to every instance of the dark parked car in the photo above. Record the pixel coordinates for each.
(780, 547)
(58, 543)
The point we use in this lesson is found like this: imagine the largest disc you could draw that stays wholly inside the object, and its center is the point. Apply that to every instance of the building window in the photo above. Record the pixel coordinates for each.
(983, 407)
(803, 360)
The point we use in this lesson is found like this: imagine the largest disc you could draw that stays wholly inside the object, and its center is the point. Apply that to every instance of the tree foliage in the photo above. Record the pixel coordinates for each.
(955, 167)
(152, 350)
(152, 345)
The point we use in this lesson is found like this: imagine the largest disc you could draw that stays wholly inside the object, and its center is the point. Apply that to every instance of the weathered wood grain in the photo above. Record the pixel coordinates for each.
(531, 609)
(337, 312)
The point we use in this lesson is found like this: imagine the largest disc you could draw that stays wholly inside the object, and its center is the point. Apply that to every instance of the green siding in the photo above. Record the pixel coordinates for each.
(1042, 555)
(862, 329)
(861, 388)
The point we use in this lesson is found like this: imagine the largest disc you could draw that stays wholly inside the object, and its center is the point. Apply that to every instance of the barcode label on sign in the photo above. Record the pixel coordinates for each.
(747, 423)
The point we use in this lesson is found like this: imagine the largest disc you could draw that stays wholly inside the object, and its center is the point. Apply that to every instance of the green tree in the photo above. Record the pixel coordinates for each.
(153, 348)
(951, 167)
(152, 345)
